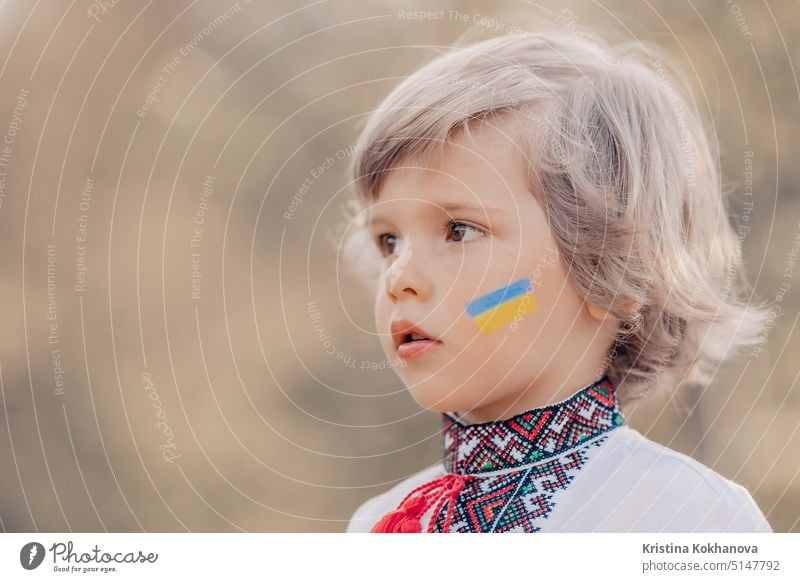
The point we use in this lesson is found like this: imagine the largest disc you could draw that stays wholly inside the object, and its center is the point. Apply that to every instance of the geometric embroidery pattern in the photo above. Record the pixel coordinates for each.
(530, 436)
(518, 500)
(524, 464)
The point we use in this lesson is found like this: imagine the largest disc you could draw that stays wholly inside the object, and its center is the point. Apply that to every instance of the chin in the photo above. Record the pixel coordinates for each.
(434, 397)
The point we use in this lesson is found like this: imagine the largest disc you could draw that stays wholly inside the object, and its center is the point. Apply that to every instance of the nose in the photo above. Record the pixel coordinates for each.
(407, 275)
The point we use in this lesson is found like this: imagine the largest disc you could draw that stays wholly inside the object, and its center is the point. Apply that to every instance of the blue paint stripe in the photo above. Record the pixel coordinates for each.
(498, 296)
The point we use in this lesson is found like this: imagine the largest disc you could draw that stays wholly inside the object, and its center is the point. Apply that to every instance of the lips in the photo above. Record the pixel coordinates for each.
(407, 347)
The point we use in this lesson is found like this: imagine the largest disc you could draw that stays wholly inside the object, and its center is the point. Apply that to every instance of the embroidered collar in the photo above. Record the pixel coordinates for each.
(533, 435)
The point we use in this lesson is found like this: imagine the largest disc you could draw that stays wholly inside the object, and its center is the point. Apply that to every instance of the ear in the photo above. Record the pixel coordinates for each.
(599, 314)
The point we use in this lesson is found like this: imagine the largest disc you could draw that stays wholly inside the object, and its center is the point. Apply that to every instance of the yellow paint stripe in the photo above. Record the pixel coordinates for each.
(495, 318)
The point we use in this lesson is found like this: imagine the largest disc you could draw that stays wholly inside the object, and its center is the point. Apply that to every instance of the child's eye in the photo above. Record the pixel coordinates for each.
(456, 231)
(463, 232)
(386, 243)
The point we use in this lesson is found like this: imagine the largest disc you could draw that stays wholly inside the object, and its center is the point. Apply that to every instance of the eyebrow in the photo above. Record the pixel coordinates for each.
(450, 208)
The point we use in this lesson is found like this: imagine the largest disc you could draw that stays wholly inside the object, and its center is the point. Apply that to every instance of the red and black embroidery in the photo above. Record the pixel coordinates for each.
(507, 475)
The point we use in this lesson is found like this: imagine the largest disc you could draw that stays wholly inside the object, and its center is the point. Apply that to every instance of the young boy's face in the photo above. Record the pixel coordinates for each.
(471, 262)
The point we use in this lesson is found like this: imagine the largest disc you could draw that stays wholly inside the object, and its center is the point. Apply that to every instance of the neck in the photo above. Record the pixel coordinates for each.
(542, 391)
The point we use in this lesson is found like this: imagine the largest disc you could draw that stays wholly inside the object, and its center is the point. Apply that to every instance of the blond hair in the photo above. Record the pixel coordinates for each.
(622, 166)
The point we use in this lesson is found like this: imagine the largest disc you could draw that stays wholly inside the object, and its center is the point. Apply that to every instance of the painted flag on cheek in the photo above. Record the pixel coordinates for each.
(502, 306)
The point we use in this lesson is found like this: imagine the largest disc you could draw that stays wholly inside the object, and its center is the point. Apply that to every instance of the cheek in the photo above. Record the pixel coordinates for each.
(523, 310)
(549, 277)
(382, 315)
(502, 308)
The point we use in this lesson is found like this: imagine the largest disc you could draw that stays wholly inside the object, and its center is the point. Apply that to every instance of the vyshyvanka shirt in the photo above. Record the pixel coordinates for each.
(571, 466)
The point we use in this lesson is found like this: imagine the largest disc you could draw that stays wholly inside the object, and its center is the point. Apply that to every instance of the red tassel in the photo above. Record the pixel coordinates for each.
(406, 518)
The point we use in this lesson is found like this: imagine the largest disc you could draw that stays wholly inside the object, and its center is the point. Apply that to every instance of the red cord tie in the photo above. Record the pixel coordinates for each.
(406, 518)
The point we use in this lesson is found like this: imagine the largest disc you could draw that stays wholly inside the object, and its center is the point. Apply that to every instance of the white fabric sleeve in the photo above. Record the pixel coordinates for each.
(636, 485)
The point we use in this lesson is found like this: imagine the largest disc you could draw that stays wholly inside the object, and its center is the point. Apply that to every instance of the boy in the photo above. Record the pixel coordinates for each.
(553, 246)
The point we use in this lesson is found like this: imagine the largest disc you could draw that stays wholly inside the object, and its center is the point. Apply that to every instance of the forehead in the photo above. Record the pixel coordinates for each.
(485, 167)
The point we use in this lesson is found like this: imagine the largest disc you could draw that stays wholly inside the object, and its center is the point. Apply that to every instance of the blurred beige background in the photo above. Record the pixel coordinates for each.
(180, 348)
